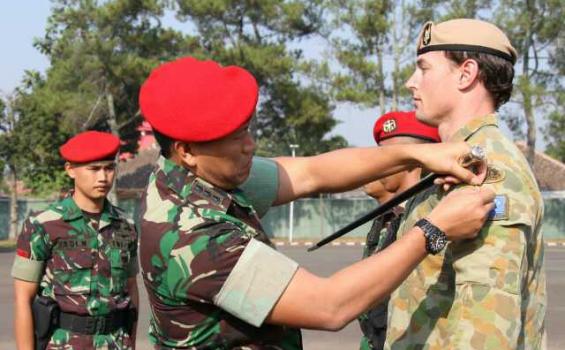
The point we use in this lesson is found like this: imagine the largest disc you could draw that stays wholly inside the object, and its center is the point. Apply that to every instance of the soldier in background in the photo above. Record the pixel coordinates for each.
(393, 128)
(76, 261)
(213, 277)
(488, 293)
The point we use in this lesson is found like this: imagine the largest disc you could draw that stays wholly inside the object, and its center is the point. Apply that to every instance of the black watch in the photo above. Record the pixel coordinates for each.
(436, 239)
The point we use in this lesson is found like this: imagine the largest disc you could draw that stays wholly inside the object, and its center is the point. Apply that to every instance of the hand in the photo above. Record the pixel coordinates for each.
(462, 213)
(445, 158)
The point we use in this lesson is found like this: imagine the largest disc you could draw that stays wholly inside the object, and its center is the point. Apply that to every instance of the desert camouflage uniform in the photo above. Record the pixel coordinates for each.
(486, 293)
(381, 235)
(81, 263)
(210, 271)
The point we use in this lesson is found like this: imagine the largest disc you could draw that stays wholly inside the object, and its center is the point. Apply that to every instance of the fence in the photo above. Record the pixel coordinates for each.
(313, 218)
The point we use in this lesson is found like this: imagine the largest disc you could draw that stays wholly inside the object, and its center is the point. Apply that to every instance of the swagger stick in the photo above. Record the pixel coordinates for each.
(476, 155)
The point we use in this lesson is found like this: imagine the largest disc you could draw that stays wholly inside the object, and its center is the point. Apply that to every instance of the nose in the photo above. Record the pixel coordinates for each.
(249, 144)
(411, 83)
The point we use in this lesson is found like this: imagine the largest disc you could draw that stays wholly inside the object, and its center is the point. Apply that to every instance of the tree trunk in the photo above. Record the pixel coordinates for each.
(112, 122)
(13, 203)
(381, 83)
(396, 65)
(527, 101)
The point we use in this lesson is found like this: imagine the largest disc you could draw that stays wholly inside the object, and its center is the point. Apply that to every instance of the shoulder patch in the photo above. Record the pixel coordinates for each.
(494, 174)
(500, 210)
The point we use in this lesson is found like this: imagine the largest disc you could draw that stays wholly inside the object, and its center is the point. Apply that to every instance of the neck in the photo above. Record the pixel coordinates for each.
(465, 111)
(88, 204)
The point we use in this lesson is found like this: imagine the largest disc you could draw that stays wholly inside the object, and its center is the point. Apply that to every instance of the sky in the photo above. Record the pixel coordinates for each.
(23, 20)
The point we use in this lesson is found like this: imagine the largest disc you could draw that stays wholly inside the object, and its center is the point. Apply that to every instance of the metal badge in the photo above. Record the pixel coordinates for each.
(427, 36)
(389, 126)
(477, 154)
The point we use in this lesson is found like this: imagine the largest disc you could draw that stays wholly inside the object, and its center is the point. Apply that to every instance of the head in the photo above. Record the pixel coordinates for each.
(90, 162)
(92, 180)
(397, 128)
(461, 63)
(225, 162)
(200, 113)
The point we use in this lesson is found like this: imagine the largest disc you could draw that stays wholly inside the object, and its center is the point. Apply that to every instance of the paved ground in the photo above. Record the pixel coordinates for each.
(324, 262)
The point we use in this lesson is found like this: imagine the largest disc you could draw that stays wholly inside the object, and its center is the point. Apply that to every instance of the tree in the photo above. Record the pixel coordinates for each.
(256, 35)
(9, 157)
(534, 27)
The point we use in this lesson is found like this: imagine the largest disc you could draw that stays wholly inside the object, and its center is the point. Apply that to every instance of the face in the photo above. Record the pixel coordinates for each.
(377, 190)
(226, 162)
(92, 180)
(434, 86)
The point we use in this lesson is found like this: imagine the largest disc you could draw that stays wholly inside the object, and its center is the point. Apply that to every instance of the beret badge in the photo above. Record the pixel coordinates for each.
(427, 36)
(389, 126)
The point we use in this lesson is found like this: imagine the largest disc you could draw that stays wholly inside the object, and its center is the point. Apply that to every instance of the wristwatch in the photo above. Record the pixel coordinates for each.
(436, 239)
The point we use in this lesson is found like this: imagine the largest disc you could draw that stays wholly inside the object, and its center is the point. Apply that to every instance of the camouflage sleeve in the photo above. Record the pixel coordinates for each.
(31, 252)
(133, 268)
(240, 275)
(489, 273)
(262, 185)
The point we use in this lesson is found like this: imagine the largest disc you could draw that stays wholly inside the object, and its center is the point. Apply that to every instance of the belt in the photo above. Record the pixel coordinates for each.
(90, 325)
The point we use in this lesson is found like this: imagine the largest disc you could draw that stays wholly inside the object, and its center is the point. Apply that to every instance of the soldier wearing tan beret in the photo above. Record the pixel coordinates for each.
(488, 293)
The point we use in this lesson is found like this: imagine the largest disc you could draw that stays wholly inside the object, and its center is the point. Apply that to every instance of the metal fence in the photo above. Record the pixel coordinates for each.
(313, 218)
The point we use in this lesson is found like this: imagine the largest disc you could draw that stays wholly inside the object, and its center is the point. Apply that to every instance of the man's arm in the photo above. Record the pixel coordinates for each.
(24, 293)
(331, 303)
(350, 168)
(134, 295)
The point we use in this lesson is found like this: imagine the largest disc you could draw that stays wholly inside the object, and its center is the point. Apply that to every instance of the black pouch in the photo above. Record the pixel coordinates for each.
(45, 319)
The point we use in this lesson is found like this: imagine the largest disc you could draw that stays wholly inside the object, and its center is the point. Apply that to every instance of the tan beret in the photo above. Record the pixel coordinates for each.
(466, 35)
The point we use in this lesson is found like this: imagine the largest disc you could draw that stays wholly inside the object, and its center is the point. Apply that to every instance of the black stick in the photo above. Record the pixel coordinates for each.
(426, 182)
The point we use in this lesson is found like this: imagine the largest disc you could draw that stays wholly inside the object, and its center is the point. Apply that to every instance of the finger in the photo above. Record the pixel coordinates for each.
(465, 175)
(487, 195)
(481, 171)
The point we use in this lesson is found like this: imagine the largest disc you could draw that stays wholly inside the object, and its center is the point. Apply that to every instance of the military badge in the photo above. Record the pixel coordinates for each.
(389, 126)
(494, 174)
(427, 36)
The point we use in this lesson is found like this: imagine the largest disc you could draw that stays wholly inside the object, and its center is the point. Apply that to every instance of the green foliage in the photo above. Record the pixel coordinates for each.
(256, 35)
(555, 129)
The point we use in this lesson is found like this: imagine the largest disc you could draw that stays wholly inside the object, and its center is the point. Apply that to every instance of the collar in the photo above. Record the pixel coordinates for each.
(190, 187)
(70, 211)
(473, 126)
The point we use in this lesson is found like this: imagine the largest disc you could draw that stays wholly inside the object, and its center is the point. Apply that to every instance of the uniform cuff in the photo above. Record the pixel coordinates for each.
(27, 269)
(256, 283)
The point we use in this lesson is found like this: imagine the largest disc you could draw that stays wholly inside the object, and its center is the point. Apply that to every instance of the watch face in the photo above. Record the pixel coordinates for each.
(437, 242)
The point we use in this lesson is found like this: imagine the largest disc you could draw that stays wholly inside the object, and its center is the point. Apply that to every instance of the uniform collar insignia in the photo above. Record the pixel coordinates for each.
(473, 126)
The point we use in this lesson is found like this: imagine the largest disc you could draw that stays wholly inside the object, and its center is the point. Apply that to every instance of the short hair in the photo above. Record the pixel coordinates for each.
(165, 142)
(495, 73)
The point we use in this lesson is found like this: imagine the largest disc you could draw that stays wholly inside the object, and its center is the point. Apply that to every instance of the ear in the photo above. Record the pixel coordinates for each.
(468, 74)
(185, 153)
(70, 170)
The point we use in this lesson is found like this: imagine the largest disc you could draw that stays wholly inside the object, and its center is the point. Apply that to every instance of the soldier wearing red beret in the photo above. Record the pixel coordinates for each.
(76, 261)
(213, 277)
(394, 128)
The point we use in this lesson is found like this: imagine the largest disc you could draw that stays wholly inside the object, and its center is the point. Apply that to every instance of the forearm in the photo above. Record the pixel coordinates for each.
(371, 280)
(23, 325)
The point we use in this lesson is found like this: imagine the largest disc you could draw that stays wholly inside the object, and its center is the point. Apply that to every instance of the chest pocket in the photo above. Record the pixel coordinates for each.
(120, 255)
(72, 267)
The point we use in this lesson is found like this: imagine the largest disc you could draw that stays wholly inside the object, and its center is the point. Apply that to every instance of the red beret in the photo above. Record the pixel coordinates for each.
(193, 101)
(90, 146)
(403, 124)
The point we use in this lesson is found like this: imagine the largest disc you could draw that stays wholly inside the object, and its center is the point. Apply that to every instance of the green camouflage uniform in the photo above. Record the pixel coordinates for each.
(486, 293)
(210, 271)
(373, 322)
(81, 263)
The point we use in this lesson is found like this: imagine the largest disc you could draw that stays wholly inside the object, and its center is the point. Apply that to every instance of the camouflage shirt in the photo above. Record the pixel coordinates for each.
(381, 235)
(80, 262)
(486, 293)
(210, 271)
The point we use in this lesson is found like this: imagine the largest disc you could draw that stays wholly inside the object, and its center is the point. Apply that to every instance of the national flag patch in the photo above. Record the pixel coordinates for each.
(23, 253)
